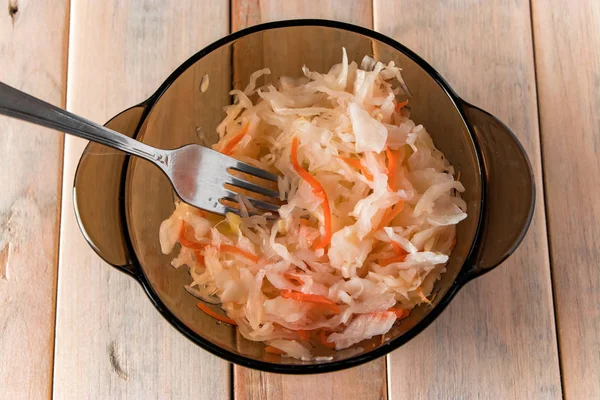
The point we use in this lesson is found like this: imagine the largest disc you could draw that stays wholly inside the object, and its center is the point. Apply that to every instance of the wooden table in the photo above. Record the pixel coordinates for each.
(72, 327)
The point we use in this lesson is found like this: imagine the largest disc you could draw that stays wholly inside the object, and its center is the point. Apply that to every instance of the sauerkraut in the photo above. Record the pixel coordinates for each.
(368, 223)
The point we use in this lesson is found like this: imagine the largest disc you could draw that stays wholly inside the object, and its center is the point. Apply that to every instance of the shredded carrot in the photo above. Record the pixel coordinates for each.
(400, 105)
(302, 334)
(312, 298)
(358, 165)
(199, 256)
(304, 221)
(399, 257)
(197, 247)
(274, 350)
(390, 214)
(394, 259)
(400, 312)
(199, 212)
(397, 248)
(323, 338)
(209, 311)
(234, 249)
(392, 169)
(229, 147)
(317, 190)
(328, 232)
(293, 278)
(184, 231)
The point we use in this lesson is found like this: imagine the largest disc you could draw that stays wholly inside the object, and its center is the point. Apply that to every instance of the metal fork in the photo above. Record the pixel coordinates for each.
(200, 176)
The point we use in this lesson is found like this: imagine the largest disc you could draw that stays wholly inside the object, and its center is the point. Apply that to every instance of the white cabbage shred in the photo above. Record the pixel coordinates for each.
(321, 277)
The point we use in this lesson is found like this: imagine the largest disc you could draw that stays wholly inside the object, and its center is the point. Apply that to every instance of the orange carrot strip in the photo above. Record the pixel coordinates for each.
(274, 350)
(199, 212)
(397, 248)
(293, 278)
(394, 259)
(199, 256)
(228, 248)
(304, 222)
(185, 242)
(312, 298)
(229, 147)
(400, 313)
(302, 334)
(217, 316)
(392, 169)
(328, 232)
(400, 105)
(323, 338)
(390, 214)
(197, 247)
(399, 257)
(358, 165)
(317, 190)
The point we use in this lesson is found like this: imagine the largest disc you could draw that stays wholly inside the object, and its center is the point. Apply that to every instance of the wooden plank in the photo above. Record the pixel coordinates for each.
(33, 58)
(110, 341)
(497, 339)
(567, 49)
(367, 381)
(245, 13)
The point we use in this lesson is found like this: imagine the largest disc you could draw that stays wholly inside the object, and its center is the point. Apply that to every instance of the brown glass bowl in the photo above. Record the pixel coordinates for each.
(121, 201)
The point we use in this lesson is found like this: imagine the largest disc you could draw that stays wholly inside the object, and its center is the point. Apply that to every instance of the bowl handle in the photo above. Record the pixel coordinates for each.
(509, 190)
(97, 194)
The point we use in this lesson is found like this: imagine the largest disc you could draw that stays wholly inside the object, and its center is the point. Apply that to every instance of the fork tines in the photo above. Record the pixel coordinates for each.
(259, 196)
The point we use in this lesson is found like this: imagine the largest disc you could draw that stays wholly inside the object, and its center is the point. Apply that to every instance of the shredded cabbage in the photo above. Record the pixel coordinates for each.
(369, 223)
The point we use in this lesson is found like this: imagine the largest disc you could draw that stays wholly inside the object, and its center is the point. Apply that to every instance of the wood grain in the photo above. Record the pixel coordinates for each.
(33, 51)
(110, 341)
(567, 46)
(497, 339)
(245, 13)
(367, 381)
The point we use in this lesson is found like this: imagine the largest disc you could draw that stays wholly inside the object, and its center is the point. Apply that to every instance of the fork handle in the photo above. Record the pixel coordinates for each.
(17, 104)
